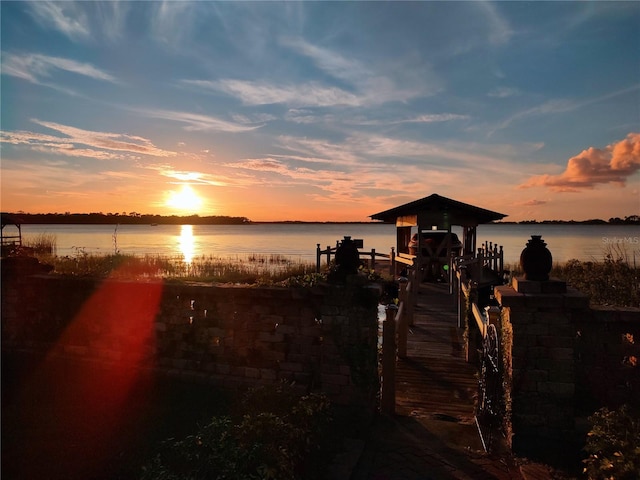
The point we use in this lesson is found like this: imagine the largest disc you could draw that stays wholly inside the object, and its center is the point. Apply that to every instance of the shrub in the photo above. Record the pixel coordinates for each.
(610, 282)
(613, 445)
(280, 435)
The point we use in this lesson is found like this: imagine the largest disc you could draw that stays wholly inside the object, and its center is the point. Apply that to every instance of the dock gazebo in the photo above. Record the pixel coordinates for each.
(11, 238)
(436, 213)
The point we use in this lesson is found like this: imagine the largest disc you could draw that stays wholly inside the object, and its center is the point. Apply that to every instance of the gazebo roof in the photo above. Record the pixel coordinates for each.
(435, 207)
(8, 219)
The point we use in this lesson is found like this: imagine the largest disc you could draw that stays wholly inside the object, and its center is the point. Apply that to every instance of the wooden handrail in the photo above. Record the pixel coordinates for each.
(480, 319)
(395, 330)
(370, 255)
(388, 390)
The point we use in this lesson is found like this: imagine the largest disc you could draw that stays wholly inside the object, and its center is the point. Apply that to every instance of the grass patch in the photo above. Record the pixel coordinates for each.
(253, 269)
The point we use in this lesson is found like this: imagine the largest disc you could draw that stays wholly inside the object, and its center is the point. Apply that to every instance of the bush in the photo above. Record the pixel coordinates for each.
(613, 445)
(610, 282)
(280, 436)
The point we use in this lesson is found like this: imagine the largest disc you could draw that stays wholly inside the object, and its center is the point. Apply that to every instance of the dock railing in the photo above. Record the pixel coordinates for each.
(371, 257)
(489, 256)
(484, 268)
(395, 332)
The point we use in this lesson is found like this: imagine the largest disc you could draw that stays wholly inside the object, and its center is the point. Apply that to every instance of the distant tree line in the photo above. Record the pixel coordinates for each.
(132, 218)
(630, 220)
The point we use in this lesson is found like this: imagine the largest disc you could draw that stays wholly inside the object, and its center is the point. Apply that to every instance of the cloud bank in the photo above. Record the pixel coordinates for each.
(594, 166)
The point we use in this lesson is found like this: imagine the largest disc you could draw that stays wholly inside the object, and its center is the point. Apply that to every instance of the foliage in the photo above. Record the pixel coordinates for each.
(506, 350)
(613, 445)
(306, 280)
(279, 435)
(612, 281)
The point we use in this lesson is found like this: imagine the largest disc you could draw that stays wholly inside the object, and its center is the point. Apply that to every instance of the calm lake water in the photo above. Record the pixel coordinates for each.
(298, 241)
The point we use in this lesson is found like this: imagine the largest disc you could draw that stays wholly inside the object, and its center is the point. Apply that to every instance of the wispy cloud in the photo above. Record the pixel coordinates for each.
(331, 62)
(191, 177)
(424, 118)
(547, 108)
(310, 94)
(347, 81)
(556, 106)
(169, 20)
(39, 69)
(532, 203)
(102, 144)
(595, 166)
(504, 92)
(65, 17)
(197, 122)
(500, 31)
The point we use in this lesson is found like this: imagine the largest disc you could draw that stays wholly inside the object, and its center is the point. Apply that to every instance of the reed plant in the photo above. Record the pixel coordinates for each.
(253, 269)
(41, 244)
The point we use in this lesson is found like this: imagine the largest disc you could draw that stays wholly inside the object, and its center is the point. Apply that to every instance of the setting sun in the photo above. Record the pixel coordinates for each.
(186, 200)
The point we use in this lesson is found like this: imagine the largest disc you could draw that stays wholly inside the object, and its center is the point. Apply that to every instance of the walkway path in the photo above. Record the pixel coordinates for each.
(433, 434)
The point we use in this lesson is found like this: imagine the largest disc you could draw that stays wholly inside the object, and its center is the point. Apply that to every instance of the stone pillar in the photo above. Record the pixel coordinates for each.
(542, 316)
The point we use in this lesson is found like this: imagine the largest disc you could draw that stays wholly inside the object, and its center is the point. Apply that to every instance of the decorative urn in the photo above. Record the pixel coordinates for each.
(536, 260)
(347, 257)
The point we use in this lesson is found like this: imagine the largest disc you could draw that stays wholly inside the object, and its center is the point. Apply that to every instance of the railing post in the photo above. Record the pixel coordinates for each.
(414, 286)
(318, 259)
(392, 262)
(388, 394)
(493, 313)
(460, 296)
(373, 259)
(328, 255)
(403, 321)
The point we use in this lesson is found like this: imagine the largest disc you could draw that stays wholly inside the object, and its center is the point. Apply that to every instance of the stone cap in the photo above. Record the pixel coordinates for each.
(570, 299)
(553, 285)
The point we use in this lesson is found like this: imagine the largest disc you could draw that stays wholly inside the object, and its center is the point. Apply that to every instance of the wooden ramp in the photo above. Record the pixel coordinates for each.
(435, 380)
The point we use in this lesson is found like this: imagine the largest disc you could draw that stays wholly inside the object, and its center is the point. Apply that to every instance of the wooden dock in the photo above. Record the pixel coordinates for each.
(435, 379)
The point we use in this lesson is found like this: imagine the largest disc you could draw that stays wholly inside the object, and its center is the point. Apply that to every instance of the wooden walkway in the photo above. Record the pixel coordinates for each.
(435, 379)
(433, 435)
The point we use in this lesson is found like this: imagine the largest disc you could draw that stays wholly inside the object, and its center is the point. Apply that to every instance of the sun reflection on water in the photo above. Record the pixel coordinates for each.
(187, 243)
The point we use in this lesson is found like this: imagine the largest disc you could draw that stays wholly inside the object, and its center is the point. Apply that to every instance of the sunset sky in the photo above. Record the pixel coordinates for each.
(320, 110)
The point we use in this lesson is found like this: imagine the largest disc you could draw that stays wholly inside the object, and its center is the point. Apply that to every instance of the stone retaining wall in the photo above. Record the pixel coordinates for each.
(566, 359)
(323, 338)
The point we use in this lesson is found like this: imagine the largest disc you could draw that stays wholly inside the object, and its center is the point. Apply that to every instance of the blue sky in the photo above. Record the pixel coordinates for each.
(320, 110)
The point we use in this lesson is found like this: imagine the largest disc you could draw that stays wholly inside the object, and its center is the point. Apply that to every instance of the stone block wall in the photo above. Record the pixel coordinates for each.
(567, 360)
(542, 377)
(323, 338)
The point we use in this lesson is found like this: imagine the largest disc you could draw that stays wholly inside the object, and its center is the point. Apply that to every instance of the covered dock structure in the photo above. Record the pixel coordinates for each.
(431, 218)
(10, 233)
